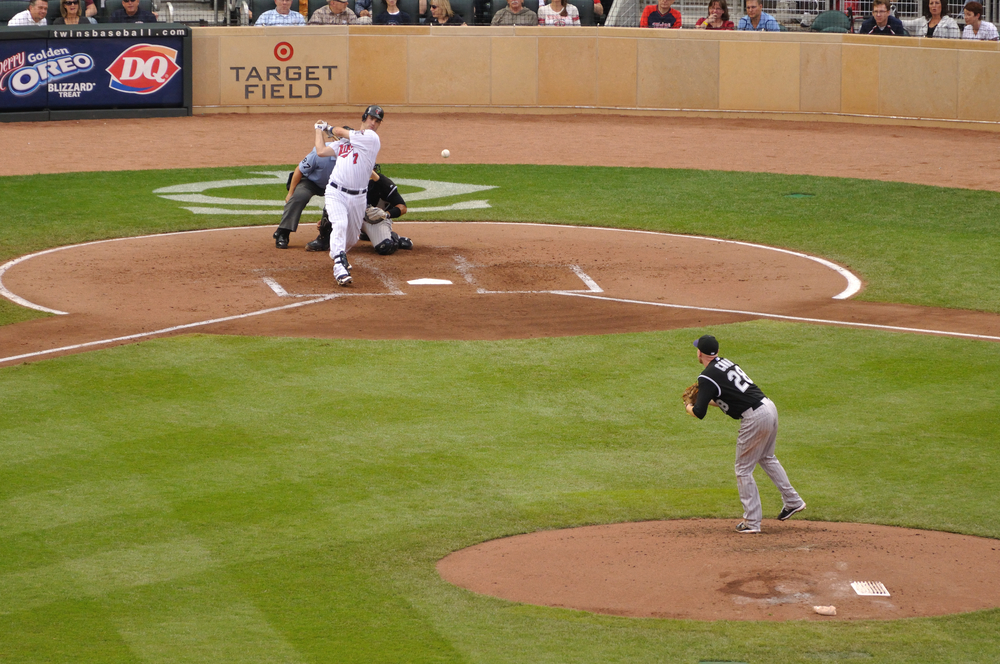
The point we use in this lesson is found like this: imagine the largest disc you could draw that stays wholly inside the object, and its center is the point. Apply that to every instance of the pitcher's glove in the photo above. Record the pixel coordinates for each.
(374, 215)
(690, 395)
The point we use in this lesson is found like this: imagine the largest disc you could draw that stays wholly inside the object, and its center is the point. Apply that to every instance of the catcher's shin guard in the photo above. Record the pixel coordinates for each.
(322, 243)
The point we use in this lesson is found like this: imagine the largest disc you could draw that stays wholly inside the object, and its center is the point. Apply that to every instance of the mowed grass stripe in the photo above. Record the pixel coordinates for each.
(293, 495)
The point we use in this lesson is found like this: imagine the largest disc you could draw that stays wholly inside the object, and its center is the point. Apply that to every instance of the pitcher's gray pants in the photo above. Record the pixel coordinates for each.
(755, 445)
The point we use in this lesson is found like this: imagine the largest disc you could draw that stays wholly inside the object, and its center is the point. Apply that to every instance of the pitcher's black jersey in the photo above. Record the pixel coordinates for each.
(733, 391)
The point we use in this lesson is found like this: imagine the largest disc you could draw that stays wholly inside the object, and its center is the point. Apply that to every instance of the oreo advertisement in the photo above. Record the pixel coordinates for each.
(93, 69)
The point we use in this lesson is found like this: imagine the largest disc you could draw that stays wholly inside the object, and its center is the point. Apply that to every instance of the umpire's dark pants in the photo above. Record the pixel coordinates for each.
(304, 191)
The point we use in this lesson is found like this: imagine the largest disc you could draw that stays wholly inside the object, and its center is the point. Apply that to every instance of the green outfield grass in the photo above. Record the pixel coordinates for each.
(249, 500)
(912, 244)
(218, 499)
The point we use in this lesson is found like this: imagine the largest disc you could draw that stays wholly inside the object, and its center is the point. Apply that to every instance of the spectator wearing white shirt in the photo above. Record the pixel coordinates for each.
(281, 15)
(975, 26)
(34, 15)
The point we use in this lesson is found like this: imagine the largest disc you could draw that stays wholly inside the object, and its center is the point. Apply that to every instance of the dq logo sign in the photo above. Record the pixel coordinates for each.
(143, 69)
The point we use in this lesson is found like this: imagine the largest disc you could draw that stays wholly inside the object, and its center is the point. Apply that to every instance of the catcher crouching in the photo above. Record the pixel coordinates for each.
(385, 203)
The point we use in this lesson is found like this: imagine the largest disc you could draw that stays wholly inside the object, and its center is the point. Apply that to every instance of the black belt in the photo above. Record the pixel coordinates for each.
(352, 192)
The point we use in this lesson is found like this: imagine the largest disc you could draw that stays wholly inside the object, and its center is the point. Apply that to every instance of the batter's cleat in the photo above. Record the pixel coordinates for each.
(319, 244)
(344, 280)
(402, 242)
(744, 528)
(787, 512)
(281, 238)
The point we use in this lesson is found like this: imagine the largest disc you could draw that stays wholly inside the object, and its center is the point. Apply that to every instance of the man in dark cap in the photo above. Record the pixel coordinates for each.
(724, 384)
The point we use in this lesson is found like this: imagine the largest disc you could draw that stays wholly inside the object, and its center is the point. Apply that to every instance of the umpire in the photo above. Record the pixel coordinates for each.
(309, 179)
(385, 203)
(724, 384)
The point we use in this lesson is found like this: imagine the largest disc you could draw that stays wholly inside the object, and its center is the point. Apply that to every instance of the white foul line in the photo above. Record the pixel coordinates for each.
(165, 330)
(801, 319)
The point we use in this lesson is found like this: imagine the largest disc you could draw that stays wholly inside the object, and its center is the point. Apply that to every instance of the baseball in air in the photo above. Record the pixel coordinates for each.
(445, 153)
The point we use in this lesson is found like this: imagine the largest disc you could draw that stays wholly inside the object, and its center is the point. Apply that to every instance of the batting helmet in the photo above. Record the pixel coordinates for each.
(374, 111)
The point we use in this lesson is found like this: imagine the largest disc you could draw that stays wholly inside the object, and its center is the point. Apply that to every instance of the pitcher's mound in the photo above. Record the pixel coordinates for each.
(701, 569)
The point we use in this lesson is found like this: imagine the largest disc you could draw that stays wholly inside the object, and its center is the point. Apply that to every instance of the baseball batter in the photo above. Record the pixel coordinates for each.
(385, 203)
(356, 153)
(724, 384)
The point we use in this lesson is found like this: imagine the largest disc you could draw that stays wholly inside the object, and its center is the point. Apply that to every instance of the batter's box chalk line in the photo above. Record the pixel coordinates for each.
(870, 588)
(591, 286)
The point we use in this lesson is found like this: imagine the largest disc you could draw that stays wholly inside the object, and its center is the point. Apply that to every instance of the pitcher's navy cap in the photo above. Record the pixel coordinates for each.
(707, 345)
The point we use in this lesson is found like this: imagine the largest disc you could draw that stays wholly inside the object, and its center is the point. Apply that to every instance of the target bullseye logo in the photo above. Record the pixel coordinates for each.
(284, 51)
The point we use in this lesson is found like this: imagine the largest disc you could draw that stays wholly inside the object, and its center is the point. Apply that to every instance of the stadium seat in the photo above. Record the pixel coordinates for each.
(464, 8)
(586, 8)
(9, 8)
(500, 4)
(411, 7)
(831, 21)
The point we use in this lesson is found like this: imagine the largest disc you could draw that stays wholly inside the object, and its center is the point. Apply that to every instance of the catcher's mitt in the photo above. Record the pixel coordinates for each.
(374, 215)
(690, 395)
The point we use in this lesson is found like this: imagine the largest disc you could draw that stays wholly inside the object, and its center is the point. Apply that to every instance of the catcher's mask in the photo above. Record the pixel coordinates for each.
(374, 111)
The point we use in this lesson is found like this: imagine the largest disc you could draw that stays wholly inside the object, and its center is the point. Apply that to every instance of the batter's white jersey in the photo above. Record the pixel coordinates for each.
(356, 158)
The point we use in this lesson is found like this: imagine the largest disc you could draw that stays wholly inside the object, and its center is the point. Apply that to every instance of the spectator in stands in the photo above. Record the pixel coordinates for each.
(443, 14)
(131, 12)
(514, 14)
(282, 14)
(34, 15)
(598, 7)
(559, 13)
(757, 20)
(363, 8)
(392, 15)
(975, 26)
(718, 17)
(336, 12)
(69, 14)
(660, 15)
(935, 22)
(881, 23)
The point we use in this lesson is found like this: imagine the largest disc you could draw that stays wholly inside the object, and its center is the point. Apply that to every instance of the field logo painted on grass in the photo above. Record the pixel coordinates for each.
(193, 193)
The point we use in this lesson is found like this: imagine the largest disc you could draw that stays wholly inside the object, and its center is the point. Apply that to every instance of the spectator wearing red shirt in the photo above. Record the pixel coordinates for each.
(718, 17)
(660, 15)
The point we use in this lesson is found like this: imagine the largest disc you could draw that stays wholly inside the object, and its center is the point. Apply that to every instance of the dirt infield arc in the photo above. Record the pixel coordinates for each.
(505, 281)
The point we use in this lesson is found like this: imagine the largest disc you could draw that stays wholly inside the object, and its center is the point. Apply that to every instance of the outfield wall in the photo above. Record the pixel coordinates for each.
(850, 78)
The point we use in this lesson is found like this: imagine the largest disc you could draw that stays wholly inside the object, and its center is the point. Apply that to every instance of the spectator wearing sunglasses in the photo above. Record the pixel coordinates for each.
(69, 14)
(131, 12)
(443, 14)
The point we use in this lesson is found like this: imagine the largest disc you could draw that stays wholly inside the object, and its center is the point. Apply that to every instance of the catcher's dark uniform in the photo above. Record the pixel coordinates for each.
(724, 382)
(385, 196)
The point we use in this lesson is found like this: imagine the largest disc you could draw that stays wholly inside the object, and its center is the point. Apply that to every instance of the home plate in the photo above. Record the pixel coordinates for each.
(429, 282)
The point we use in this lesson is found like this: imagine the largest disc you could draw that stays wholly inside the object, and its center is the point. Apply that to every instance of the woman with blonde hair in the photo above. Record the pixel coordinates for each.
(70, 14)
(559, 13)
(443, 14)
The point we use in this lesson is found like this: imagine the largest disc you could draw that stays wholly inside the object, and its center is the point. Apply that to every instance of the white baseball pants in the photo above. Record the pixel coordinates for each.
(755, 445)
(346, 213)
